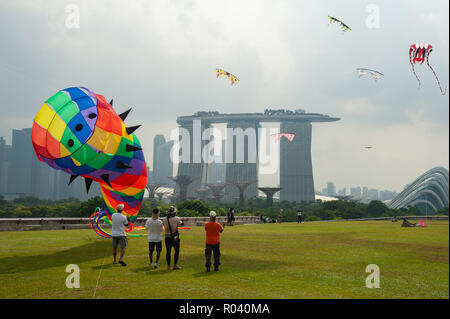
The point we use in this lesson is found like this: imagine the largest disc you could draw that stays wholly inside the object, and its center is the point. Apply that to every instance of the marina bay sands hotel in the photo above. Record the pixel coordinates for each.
(295, 165)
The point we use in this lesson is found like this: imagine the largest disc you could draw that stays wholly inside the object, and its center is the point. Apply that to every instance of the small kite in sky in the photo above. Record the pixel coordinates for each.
(368, 147)
(417, 54)
(278, 136)
(343, 26)
(220, 72)
(375, 74)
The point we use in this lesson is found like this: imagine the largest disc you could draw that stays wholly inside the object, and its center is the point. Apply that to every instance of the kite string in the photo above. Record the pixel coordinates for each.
(98, 279)
(437, 79)
(412, 65)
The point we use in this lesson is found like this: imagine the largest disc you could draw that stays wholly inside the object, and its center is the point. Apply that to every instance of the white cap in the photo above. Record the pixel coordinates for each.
(212, 214)
(120, 207)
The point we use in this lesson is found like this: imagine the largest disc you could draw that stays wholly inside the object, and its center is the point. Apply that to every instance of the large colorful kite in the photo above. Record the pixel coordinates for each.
(220, 72)
(418, 53)
(344, 27)
(79, 132)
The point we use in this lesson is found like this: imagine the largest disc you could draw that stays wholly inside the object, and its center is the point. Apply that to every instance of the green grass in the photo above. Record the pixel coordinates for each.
(311, 260)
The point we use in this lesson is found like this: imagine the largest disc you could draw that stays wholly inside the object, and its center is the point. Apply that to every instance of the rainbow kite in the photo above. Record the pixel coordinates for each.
(79, 132)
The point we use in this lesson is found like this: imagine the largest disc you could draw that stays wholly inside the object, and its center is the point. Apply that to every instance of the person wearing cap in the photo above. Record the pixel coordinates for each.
(154, 227)
(213, 230)
(172, 237)
(119, 222)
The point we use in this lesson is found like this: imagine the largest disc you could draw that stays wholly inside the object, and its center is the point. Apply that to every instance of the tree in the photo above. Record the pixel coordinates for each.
(376, 208)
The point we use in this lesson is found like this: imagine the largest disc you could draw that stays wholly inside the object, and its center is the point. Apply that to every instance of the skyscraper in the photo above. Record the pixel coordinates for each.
(22, 158)
(5, 151)
(331, 189)
(162, 163)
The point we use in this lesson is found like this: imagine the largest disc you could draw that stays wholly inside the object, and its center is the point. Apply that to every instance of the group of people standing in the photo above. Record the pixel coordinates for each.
(169, 225)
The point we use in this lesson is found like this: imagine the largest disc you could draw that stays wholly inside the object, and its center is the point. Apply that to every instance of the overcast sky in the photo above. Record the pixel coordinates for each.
(159, 57)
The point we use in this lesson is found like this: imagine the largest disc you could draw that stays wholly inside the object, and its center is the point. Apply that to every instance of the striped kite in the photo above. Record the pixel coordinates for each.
(418, 53)
(78, 132)
(343, 26)
(220, 72)
(375, 74)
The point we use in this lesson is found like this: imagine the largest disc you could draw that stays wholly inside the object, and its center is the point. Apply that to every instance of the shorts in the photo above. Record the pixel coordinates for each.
(119, 239)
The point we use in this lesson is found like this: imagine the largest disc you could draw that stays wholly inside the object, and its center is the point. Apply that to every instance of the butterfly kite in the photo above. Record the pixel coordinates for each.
(343, 26)
(417, 54)
(278, 136)
(78, 132)
(220, 72)
(375, 74)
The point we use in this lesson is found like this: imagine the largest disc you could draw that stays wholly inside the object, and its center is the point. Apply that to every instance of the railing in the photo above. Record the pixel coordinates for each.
(12, 224)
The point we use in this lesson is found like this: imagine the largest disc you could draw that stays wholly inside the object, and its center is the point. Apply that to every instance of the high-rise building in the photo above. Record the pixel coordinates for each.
(372, 194)
(342, 192)
(387, 195)
(20, 173)
(331, 189)
(162, 163)
(296, 175)
(365, 194)
(29, 176)
(5, 151)
(355, 191)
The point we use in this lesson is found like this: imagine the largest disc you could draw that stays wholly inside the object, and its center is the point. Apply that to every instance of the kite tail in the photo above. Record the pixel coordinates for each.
(414, 71)
(443, 92)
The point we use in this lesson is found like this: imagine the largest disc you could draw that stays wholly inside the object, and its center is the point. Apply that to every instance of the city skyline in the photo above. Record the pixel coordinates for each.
(284, 54)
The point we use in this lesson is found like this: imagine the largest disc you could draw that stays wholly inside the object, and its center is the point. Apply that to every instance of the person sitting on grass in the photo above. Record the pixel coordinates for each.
(213, 230)
(154, 227)
(407, 223)
(119, 221)
(172, 238)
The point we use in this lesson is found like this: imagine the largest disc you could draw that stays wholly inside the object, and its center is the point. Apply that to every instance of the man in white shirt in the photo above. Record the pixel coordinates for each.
(154, 227)
(119, 222)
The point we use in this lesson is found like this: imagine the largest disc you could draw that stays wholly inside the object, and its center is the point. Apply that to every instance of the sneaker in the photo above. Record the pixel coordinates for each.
(155, 265)
(208, 268)
(216, 268)
(122, 263)
(176, 267)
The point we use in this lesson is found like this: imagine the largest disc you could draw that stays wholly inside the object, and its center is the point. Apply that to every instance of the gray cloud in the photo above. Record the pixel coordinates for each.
(160, 58)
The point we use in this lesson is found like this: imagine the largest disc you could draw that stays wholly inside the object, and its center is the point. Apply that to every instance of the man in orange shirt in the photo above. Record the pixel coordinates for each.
(213, 230)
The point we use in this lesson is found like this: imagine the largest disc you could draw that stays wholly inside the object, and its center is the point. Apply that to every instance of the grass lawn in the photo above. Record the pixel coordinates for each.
(282, 261)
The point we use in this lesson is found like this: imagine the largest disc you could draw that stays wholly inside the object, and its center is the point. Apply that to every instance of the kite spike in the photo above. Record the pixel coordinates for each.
(105, 178)
(124, 115)
(72, 178)
(111, 102)
(88, 182)
(131, 129)
(131, 148)
(121, 164)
